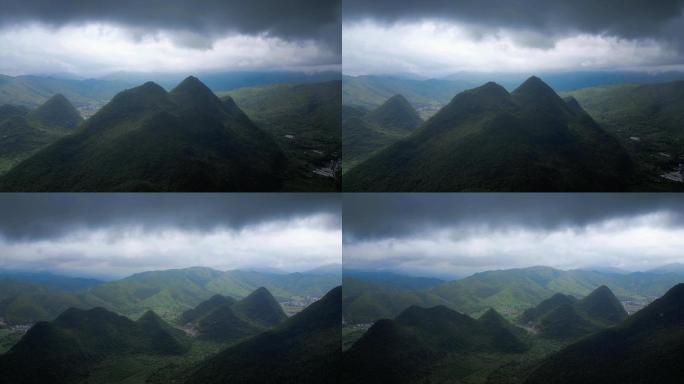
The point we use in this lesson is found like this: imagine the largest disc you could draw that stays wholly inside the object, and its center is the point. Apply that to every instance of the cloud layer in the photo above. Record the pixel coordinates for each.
(437, 37)
(115, 235)
(93, 38)
(458, 234)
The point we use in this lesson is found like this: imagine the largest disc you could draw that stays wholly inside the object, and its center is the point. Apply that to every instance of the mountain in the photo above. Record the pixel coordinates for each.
(364, 134)
(420, 343)
(65, 349)
(304, 349)
(261, 308)
(511, 292)
(56, 113)
(487, 139)
(646, 348)
(148, 139)
(225, 325)
(564, 317)
(304, 119)
(647, 119)
(206, 307)
(23, 132)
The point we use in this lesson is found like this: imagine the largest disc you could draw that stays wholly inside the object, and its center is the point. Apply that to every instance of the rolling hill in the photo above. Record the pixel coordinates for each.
(65, 349)
(646, 348)
(304, 349)
(365, 133)
(487, 139)
(421, 344)
(151, 140)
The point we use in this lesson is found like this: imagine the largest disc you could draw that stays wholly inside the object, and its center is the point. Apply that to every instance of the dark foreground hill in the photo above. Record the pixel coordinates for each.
(646, 348)
(65, 349)
(305, 349)
(423, 343)
(24, 132)
(146, 139)
(563, 317)
(487, 139)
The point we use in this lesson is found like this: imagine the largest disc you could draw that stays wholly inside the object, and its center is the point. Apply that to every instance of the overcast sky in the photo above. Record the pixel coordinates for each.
(438, 37)
(117, 235)
(455, 235)
(96, 37)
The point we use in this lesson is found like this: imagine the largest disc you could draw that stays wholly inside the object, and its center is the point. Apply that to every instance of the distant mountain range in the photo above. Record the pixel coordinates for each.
(430, 94)
(487, 139)
(88, 94)
(169, 293)
(510, 292)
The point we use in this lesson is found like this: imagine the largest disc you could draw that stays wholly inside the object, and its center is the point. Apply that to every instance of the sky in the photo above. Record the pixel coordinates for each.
(115, 235)
(97, 37)
(437, 37)
(456, 235)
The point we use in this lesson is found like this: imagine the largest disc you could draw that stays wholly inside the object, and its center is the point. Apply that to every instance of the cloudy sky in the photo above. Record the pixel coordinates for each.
(439, 37)
(115, 235)
(96, 37)
(455, 235)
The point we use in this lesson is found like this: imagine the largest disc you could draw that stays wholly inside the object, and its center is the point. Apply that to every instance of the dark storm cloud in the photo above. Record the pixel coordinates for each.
(380, 216)
(291, 20)
(29, 217)
(622, 18)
